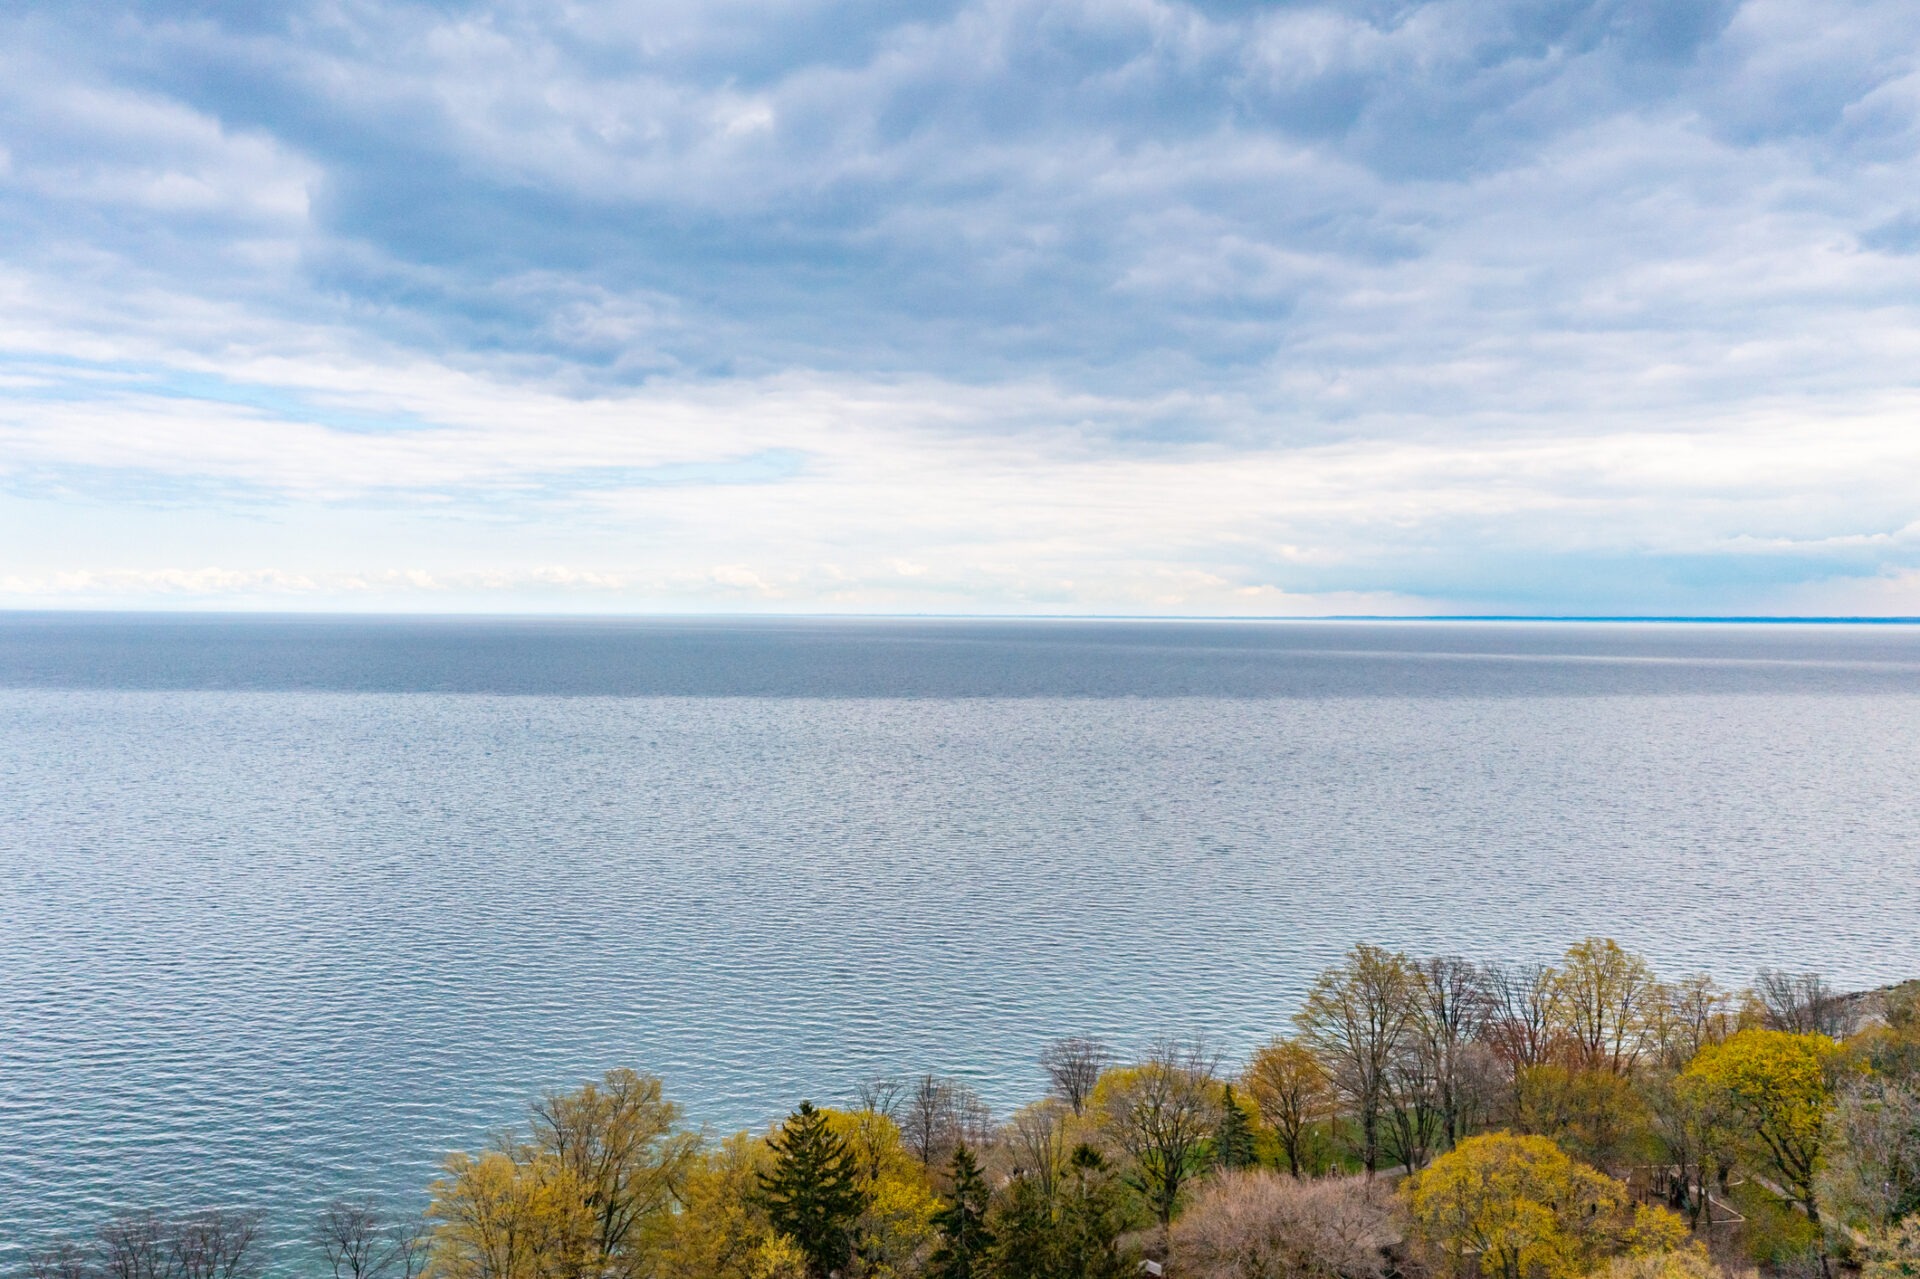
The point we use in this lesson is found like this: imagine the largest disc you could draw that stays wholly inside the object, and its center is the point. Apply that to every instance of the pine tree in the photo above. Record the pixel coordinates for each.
(1233, 1141)
(1093, 1215)
(964, 1237)
(1026, 1239)
(812, 1193)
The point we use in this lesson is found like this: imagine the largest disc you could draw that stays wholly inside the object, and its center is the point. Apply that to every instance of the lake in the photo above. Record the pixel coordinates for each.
(291, 907)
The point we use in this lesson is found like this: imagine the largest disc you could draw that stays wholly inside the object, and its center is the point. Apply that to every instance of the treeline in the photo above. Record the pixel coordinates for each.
(1423, 1117)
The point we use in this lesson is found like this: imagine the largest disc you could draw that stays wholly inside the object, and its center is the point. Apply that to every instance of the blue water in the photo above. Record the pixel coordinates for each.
(292, 907)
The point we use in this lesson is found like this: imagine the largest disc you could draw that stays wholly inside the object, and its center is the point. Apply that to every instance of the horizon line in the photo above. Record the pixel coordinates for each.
(1755, 619)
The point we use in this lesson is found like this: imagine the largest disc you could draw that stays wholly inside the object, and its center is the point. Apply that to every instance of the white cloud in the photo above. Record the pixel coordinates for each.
(1088, 306)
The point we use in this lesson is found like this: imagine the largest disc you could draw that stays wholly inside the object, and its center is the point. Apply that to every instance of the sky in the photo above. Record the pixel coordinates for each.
(989, 306)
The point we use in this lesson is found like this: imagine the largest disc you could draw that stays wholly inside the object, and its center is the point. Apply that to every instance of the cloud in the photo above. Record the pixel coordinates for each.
(1604, 306)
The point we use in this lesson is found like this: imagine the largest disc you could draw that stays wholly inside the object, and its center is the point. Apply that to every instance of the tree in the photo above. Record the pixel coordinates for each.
(722, 1230)
(938, 1114)
(1597, 1115)
(1412, 1108)
(1803, 1004)
(1091, 1218)
(1682, 1263)
(1515, 1207)
(894, 1230)
(1025, 1235)
(1292, 1092)
(1074, 1066)
(1603, 996)
(1355, 1019)
(1522, 1015)
(1685, 1017)
(964, 1237)
(137, 1245)
(216, 1244)
(1073, 1233)
(1450, 1004)
(352, 1236)
(1689, 1129)
(498, 1217)
(1036, 1144)
(1256, 1225)
(1161, 1113)
(1871, 1175)
(811, 1190)
(621, 1142)
(1778, 1084)
(1233, 1139)
(1893, 1253)
(61, 1259)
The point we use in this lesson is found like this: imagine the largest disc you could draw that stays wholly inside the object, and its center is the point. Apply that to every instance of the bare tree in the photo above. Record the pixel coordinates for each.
(1450, 1004)
(1161, 1113)
(1074, 1066)
(217, 1243)
(881, 1096)
(929, 1119)
(412, 1238)
(973, 1124)
(1685, 1016)
(1356, 1019)
(1805, 1004)
(61, 1259)
(352, 1235)
(1872, 1172)
(1519, 1017)
(1036, 1144)
(1414, 1122)
(137, 1245)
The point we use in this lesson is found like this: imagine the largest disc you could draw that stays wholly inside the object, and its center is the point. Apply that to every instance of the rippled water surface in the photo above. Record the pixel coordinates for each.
(292, 908)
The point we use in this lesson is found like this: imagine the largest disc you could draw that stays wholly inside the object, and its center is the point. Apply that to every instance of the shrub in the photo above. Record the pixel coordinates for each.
(1262, 1225)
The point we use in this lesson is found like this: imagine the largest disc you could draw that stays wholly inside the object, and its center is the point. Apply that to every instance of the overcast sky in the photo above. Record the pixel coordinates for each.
(1517, 306)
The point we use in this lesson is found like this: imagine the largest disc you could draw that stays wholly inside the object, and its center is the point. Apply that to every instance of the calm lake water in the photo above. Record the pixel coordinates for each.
(291, 908)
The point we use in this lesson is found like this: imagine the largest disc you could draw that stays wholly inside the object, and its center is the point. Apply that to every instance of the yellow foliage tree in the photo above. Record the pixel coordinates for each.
(1780, 1085)
(1515, 1208)
(1690, 1262)
(1597, 1115)
(720, 1231)
(1291, 1089)
(1893, 1253)
(496, 1217)
(896, 1231)
(621, 1139)
(1605, 997)
(1656, 1231)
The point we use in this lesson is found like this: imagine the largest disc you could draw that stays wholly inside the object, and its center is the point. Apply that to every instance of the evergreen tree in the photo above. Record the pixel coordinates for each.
(1026, 1239)
(812, 1193)
(964, 1237)
(1233, 1142)
(1092, 1217)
